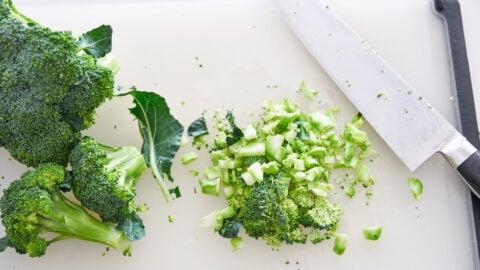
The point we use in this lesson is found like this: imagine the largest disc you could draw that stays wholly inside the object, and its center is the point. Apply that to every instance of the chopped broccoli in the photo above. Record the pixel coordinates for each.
(32, 207)
(216, 218)
(416, 187)
(237, 243)
(104, 180)
(340, 243)
(309, 92)
(372, 232)
(188, 158)
(50, 87)
(276, 174)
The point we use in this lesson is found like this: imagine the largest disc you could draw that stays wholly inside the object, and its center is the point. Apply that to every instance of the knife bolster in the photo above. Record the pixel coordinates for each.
(458, 150)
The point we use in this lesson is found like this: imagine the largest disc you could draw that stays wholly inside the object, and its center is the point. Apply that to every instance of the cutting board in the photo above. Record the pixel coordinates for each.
(207, 55)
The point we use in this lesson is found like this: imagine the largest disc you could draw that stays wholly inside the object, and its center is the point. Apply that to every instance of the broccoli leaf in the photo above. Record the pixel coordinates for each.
(237, 133)
(197, 128)
(4, 243)
(133, 227)
(230, 228)
(96, 42)
(66, 185)
(161, 133)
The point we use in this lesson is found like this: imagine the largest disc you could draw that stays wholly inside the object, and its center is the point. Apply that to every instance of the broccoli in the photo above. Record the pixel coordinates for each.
(50, 85)
(275, 174)
(104, 180)
(33, 207)
(372, 232)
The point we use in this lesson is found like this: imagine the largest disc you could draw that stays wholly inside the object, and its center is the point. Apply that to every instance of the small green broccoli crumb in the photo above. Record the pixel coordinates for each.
(171, 218)
(381, 94)
(309, 92)
(197, 59)
(104, 253)
(416, 187)
(194, 172)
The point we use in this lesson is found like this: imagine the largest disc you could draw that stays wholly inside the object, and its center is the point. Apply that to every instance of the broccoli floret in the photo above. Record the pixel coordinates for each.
(264, 214)
(33, 206)
(89, 92)
(324, 215)
(104, 180)
(49, 87)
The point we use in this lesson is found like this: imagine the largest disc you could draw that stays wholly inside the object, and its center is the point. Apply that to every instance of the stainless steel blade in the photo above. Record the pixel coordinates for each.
(403, 118)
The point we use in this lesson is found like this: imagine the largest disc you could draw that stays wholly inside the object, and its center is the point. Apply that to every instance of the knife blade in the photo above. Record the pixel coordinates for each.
(404, 119)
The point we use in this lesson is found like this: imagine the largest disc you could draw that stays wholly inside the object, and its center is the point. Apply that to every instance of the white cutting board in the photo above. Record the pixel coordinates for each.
(248, 55)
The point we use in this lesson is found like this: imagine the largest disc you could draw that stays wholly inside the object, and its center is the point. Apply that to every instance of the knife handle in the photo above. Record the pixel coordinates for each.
(470, 172)
(465, 158)
(450, 11)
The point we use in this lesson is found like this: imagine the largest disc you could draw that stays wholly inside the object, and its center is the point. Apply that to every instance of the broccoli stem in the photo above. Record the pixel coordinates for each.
(109, 62)
(71, 221)
(158, 176)
(126, 159)
(18, 14)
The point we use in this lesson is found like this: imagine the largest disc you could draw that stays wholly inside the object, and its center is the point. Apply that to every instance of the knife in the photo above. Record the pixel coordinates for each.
(405, 120)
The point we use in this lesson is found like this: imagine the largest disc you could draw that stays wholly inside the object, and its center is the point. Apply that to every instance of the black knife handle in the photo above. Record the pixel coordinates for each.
(462, 85)
(462, 90)
(470, 172)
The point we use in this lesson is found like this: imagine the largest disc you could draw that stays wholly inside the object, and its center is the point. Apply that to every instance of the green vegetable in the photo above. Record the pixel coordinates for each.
(50, 85)
(237, 243)
(96, 42)
(104, 181)
(36, 214)
(309, 92)
(275, 174)
(162, 135)
(211, 187)
(197, 128)
(416, 187)
(372, 232)
(188, 158)
(340, 243)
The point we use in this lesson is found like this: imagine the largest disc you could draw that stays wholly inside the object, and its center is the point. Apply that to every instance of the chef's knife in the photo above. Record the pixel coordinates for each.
(412, 128)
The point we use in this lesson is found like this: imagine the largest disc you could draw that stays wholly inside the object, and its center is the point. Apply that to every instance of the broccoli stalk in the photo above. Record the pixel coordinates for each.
(104, 181)
(33, 206)
(72, 221)
(18, 14)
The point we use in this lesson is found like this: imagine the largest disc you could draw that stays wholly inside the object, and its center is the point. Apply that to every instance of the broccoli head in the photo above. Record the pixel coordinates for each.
(33, 206)
(104, 180)
(49, 87)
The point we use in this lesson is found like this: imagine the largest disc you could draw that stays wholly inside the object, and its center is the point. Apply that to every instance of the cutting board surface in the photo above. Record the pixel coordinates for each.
(204, 55)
